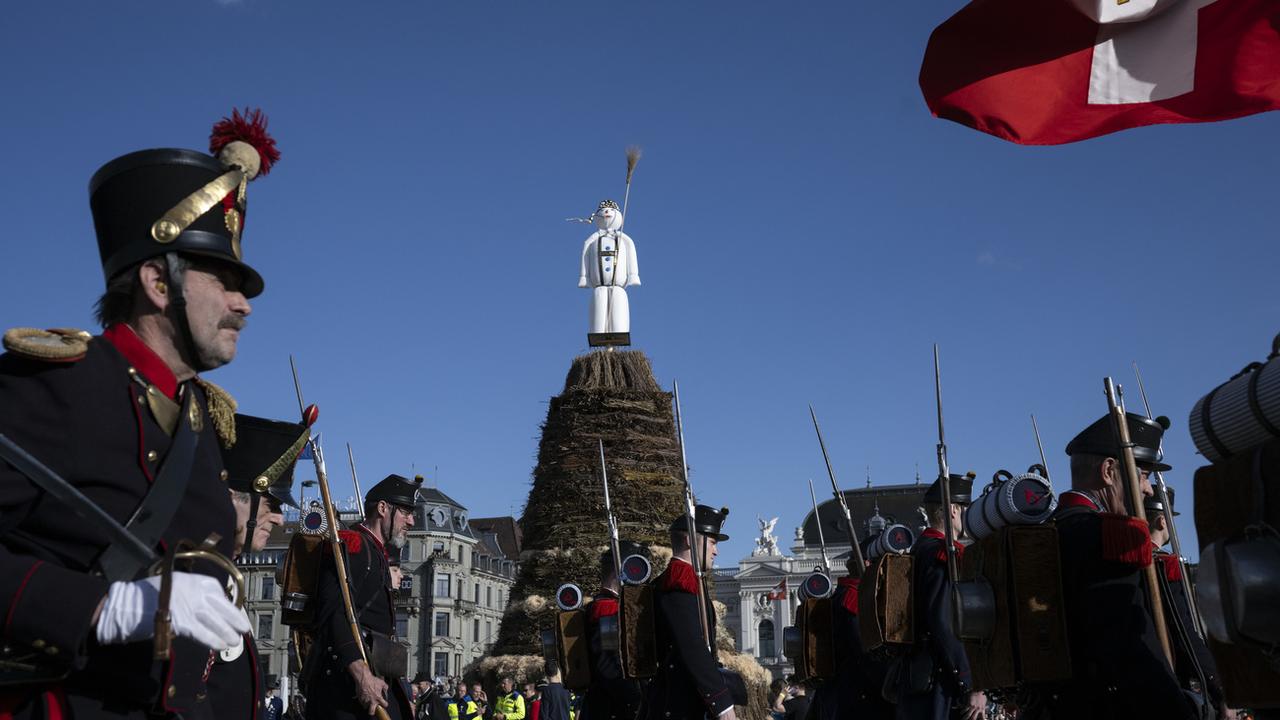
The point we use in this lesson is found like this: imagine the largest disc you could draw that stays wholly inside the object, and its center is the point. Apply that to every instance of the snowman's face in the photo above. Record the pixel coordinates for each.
(608, 219)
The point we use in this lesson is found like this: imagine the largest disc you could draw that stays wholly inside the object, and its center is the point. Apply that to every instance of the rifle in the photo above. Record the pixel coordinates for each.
(335, 542)
(1162, 491)
(355, 479)
(826, 564)
(944, 478)
(1044, 464)
(691, 527)
(855, 549)
(1133, 486)
(613, 523)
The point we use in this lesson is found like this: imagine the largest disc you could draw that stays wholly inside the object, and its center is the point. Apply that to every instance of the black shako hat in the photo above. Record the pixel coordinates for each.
(152, 202)
(262, 459)
(961, 490)
(706, 520)
(1100, 439)
(1154, 506)
(626, 549)
(395, 489)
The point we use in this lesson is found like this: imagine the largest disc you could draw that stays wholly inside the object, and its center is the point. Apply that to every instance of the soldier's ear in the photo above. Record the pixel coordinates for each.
(152, 279)
(1109, 472)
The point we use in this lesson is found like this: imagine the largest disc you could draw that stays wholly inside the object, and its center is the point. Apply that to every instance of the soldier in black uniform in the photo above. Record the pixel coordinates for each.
(689, 684)
(856, 689)
(340, 685)
(260, 479)
(610, 695)
(1195, 667)
(934, 680)
(1118, 666)
(124, 418)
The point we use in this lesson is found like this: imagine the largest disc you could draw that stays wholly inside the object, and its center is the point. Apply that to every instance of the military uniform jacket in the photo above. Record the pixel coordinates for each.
(936, 644)
(610, 695)
(688, 684)
(90, 422)
(236, 686)
(1118, 668)
(330, 688)
(855, 690)
(1190, 651)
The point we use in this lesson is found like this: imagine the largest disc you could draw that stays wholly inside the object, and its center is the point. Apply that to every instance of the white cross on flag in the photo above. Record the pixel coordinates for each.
(1043, 72)
(779, 591)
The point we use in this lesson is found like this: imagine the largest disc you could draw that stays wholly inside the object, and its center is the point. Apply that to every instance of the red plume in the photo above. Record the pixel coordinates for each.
(310, 415)
(251, 127)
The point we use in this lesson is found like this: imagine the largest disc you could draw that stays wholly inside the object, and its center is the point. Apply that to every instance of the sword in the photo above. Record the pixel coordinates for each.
(855, 549)
(40, 474)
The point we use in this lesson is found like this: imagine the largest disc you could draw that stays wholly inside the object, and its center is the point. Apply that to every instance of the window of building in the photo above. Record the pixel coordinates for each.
(438, 547)
(442, 664)
(488, 597)
(459, 553)
(268, 587)
(404, 553)
(264, 626)
(475, 559)
(766, 639)
(406, 583)
(402, 624)
(477, 593)
(475, 631)
(488, 632)
(442, 624)
(457, 661)
(442, 584)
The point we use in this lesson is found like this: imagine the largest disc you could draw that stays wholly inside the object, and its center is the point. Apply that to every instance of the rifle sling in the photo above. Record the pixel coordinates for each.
(154, 513)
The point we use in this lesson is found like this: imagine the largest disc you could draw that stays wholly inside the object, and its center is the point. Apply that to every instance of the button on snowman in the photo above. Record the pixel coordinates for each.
(608, 267)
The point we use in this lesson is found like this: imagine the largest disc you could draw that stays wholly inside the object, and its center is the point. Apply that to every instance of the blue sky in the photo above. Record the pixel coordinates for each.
(805, 231)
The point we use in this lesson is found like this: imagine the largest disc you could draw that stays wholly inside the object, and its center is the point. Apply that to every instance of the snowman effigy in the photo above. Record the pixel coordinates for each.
(609, 267)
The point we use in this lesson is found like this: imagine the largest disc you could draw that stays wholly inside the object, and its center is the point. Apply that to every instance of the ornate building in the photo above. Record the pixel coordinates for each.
(458, 574)
(759, 595)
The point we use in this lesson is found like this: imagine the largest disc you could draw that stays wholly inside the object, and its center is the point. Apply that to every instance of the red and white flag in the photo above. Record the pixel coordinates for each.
(1044, 72)
(779, 591)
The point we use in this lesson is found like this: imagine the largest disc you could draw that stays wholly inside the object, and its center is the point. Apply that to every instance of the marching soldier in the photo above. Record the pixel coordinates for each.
(610, 695)
(934, 681)
(1119, 669)
(1193, 662)
(260, 479)
(689, 685)
(856, 688)
(340, 684)
(124, 418)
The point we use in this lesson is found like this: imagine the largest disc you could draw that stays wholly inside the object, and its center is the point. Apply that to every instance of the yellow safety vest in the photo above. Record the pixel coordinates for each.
(511, 706)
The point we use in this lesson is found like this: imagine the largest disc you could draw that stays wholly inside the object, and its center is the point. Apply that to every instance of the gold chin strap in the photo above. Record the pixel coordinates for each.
(180, 216)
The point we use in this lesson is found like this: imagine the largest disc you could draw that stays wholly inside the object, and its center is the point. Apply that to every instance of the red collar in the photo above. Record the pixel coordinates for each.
(850, 582)
(142, 358)
(932, 533)
(376, 540)
(1073, 498)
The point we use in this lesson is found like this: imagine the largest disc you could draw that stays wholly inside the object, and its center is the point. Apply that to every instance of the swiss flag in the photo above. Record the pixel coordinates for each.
(1043, 72)
(779, 591)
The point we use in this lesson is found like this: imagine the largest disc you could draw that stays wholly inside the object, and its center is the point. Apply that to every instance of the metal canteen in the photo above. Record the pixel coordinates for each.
(1238, 596)
(792, 643)
(610, 633)
(975, 610)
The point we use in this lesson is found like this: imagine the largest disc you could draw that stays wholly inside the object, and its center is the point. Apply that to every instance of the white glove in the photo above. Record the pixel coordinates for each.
(198, 609)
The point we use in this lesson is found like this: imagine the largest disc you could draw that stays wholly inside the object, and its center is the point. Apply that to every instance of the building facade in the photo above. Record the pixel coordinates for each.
(457, 579)
(760, 593)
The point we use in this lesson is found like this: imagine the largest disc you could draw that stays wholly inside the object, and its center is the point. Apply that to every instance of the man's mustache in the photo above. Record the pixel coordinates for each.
(234, 322)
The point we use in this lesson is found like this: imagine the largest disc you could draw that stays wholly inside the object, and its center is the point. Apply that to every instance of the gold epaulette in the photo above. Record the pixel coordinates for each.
(222, 410)
(59, 345)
